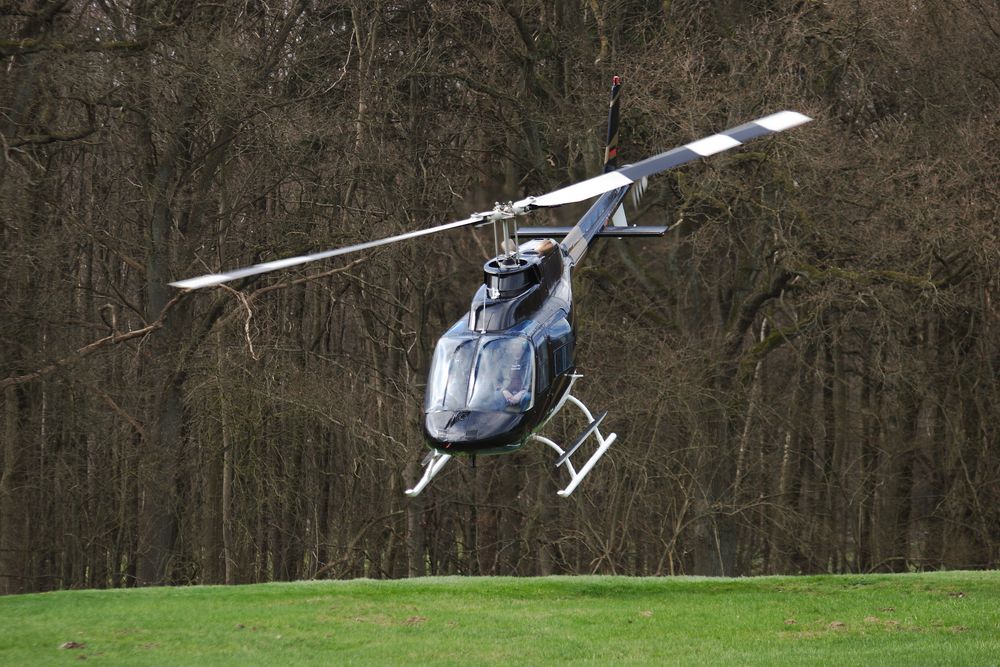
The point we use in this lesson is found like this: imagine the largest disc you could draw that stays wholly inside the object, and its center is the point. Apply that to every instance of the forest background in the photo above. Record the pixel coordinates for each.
(803, 374)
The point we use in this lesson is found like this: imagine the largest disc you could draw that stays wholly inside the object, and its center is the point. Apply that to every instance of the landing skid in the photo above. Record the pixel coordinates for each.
(564, 454)
(433, 463)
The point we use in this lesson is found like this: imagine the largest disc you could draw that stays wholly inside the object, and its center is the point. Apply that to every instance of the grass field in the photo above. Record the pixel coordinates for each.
(932, 618)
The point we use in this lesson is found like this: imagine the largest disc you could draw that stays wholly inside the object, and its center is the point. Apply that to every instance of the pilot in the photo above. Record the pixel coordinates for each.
(514, 392)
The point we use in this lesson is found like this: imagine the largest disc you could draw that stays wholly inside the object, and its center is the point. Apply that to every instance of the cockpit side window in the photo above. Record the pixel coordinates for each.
(561, 340)
(543, 372)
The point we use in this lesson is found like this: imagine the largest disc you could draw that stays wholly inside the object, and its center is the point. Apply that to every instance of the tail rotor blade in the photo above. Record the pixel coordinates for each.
(611, 144)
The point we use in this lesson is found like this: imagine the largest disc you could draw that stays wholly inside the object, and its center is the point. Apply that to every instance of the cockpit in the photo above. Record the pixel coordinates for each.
(481, 373)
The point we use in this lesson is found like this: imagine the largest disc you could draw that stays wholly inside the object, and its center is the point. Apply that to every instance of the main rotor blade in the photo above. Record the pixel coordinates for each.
(588, 189)
(219, 278)
(715, 143)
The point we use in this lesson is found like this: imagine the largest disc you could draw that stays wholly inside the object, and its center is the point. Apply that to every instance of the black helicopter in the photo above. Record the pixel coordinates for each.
(502, 371)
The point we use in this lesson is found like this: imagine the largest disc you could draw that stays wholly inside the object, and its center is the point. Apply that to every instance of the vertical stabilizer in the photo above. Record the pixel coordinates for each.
(618, 219)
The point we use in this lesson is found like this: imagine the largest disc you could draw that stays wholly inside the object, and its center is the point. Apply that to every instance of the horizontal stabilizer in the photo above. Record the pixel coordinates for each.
(613, 232)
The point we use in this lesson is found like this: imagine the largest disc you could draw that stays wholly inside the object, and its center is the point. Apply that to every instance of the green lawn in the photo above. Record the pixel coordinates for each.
(932, 618)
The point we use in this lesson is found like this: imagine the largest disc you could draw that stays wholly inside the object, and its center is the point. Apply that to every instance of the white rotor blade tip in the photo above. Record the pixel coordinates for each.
(591, 187)
(281, 263)
(712, 145)
(201, 281)
(783, 120)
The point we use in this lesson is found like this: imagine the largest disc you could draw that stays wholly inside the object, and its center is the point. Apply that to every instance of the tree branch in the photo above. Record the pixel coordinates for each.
(51, 138)
(750, 309)
(97, 345)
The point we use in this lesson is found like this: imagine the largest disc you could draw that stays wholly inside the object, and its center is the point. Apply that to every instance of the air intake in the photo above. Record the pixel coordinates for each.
(508, 277)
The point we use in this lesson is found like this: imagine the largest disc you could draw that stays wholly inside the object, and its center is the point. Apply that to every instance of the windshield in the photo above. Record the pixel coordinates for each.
(448, 383)
(486, 374)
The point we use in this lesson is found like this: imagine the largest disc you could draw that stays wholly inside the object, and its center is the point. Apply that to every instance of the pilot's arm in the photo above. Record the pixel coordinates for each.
(514, 398)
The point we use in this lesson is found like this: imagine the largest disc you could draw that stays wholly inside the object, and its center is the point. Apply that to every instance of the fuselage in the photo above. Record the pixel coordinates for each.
(498, 373)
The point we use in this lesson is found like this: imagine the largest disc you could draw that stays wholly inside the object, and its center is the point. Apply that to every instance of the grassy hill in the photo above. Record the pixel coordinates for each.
(931, 618)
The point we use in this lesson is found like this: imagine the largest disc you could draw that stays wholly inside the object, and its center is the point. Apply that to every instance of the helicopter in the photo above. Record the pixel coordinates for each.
(506, 368)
